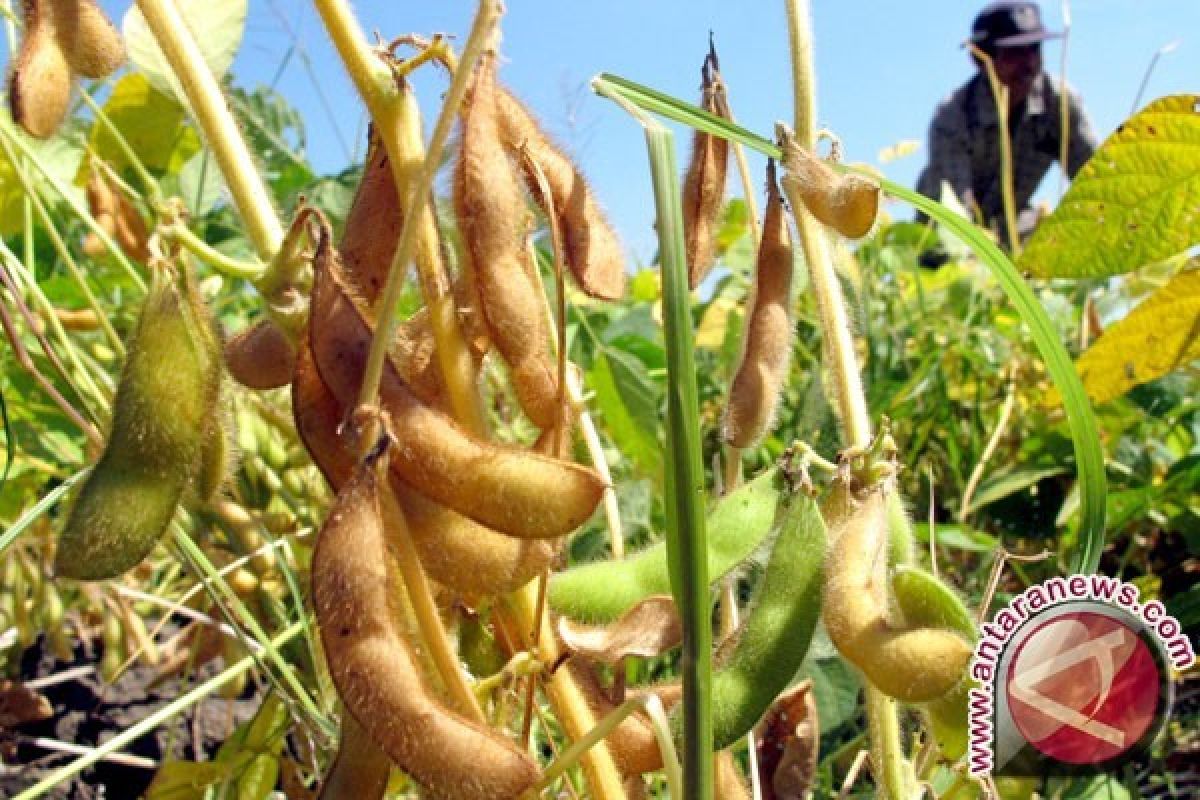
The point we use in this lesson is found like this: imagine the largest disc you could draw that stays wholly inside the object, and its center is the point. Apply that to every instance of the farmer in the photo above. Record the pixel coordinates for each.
(964, 138)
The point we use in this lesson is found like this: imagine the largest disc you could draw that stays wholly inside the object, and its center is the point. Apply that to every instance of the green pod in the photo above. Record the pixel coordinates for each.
(168, 387)
(118, 517)
(900, 531)
(604, 590)
(775, 637)
(218, 456)
(926, 601)
(162, 410)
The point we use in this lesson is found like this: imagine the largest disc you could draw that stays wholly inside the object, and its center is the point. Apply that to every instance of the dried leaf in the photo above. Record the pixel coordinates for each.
(788, 739)
(20, 704)
(648, 629)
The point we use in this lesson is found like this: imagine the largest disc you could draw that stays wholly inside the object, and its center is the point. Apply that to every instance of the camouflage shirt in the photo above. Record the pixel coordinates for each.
(964, 145)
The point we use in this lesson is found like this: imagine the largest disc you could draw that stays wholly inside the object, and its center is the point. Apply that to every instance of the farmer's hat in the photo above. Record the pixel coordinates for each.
(1009, 24)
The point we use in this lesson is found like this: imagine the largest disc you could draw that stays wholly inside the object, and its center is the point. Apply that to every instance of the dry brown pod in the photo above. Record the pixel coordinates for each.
(767, 339)
(704, 182)
(39, 89)
(592, 249)
(373, 668)
(118, 217)
(373, 224)
(847, 203)
(62, 38)
(261, 356)
(455, 551)
(361, 768)
(511, 491)
(490, 208)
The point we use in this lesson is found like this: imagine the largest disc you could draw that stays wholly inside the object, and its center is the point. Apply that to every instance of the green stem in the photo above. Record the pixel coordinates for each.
(220, 129)
(226, 265)
(132, 734)
(684, 478)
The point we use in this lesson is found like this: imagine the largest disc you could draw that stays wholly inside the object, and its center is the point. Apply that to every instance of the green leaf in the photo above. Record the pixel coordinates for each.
(1159, 336)
(58, 155)
(1134, 203)
(153, 124)
(835, 687)
(956, 537)
(1185, 607)
(626, 399)
(1008, 483)
(216, 27)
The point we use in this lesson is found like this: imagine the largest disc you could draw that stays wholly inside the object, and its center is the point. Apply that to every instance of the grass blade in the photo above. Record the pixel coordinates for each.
(41, 507)
(686, 540)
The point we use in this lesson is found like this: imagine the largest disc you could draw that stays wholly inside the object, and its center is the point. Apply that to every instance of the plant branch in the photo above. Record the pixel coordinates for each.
(215, 119)
(892, 771)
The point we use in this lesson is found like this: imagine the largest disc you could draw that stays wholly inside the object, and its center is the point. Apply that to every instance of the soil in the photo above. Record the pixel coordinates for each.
(88, 712)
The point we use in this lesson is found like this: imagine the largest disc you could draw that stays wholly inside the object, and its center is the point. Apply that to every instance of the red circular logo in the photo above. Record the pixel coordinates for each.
(1083, 688)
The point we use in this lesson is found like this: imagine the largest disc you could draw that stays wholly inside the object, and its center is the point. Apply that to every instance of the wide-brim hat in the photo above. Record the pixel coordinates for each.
(1010, 24)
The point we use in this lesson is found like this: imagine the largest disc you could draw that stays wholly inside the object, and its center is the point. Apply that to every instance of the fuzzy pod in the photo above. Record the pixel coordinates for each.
(88, 39)
(261, 356)
(704, 181)
(767, 340)
(911, 664)
(218, 457)
(161, 418)
(924, 600)
(373, 224)
(773, 640)
(361, 768)
(39, 89)
(592, 250)
(511, 491)
(374, 670)
(491, 210)
(603, 591)
(455, 551)
(847, 203)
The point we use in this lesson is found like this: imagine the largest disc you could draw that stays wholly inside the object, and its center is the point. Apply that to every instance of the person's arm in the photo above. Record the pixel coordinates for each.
(1082, 142)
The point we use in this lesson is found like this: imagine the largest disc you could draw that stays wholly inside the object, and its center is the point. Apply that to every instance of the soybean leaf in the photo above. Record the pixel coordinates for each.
(626, 399)
(58, 155)
(200, 184)
(153, 124)
(1010, 483)
(216, 27)
(1134, 203)
(1159, 336)
(956, 537)
(836, 689)
(1185, 607)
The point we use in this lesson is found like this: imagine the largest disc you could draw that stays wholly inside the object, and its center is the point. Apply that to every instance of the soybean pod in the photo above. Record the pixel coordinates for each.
(913, 664)
(774, 639)
(374, 670)
(511, 491)
(603, 591)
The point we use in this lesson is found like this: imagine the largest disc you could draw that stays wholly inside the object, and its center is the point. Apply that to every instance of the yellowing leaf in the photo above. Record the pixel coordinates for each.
(154, 125)
(58, 155)
(1158, 336)
(711, 331)
(1135, 202)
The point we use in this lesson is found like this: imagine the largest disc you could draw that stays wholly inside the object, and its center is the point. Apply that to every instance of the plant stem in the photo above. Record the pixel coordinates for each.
(215, 119)
(892, 771)
(226, 265)
(1000, 97)
(394, 113)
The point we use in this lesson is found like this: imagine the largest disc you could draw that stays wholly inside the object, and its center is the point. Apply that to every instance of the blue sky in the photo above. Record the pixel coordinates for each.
(882, 67)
